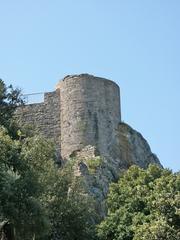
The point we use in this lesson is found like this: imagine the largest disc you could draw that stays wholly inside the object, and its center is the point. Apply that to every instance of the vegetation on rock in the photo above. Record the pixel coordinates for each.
(94, 163)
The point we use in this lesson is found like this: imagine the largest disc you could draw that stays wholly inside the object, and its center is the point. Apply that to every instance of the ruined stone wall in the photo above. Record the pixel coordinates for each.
(44, 117)
(90, 113)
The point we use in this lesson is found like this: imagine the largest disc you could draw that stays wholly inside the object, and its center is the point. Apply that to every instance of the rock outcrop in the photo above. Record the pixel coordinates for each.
(99, 171)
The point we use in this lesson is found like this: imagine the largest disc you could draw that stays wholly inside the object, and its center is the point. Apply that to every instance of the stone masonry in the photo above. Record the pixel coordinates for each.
(83, 110)
(44, 117)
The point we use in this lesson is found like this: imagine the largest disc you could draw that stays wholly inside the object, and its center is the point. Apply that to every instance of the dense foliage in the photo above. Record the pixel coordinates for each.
(38, 198)
(144, 204)
(71, 216)
(10, 98)
(22, 184)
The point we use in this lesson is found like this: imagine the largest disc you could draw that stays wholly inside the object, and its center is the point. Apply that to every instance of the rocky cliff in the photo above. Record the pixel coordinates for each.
(98, 172)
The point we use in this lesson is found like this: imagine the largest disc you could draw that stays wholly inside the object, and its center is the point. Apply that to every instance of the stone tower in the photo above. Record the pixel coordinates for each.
(89, 113)
(83, 110)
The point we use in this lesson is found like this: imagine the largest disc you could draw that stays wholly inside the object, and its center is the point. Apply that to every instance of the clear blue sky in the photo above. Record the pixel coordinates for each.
(133, 42)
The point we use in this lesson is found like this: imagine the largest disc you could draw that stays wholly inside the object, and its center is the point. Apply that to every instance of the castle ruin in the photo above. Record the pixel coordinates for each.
(83, 110)
(82, 116)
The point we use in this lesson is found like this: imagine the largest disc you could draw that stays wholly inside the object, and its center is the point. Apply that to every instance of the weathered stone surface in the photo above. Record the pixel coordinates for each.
(90, 113)
(84, 110)
(100, 171)
(43, 117)
(134, 149)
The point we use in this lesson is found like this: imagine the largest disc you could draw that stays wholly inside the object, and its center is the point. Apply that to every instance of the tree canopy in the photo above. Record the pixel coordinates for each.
(10, 98)
(22, 184)
(144, 204)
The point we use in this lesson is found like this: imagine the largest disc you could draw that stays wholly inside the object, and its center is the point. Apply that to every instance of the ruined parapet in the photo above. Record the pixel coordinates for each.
(43, 117)
(90, 113)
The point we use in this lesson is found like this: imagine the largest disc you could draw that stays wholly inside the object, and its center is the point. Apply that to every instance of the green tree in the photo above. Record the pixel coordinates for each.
(71, 209)
(10, 98)
(68, 208)
(39, 199)
(157, 229)
(24, 171)
(144, 204)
